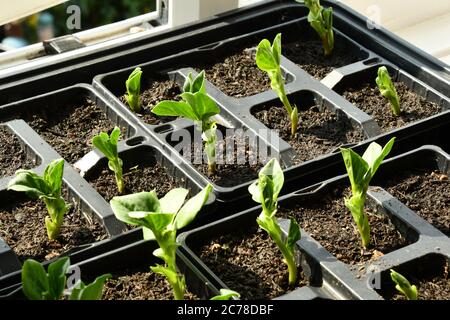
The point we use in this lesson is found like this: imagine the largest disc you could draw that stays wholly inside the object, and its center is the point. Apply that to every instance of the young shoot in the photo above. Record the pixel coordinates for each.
(161, 219)
(108, 146)
(321, 20)
(388, 90)
(198, 107)
(360, 171)
(46, 188)
(133, 85)
(265, 191)
(196, 84)
(226, 294)
(40, 285)
(268, 59)
(403, 286)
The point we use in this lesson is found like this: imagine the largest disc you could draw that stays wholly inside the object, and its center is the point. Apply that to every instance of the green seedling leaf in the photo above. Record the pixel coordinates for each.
(196, 84)
(374, 156)
(360, 171)
(173, 200)
(35, 283)
(404, 286)
(91, 291)
(155, 221)
(53, 175)
(268, 59)
(203, 106)
(188, 83)
(148, 234)
(321, 20)
(38, 285)
(271, 174)
(133, 86)
(175, 109)
(47, 188)
(356, 169)
(226, 294)
(31, 183)
(57, 277)
(294, 235)
(266, 191)
(138, 202)
(276, 49)
(108, 146)
(160, 219)
(388, 90)
(192, 207)
(198, 107)
(168, 273)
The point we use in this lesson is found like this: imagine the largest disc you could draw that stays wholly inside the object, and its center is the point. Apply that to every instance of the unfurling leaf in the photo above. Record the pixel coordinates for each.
(198, 107)
(108, 146)
(226, 294)
(266, 191)
(388, 90)
(47, 188)
(268, 59)
(133, 86)
(404, 286)
(360, 171)
(161, 219)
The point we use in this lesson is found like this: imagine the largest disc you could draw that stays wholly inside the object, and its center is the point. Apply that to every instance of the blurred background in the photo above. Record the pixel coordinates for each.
(427, 28)
(52, 22)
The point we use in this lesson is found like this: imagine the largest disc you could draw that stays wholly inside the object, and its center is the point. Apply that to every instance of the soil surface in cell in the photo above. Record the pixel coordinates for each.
(157, 91)
(237, 75)
(368, 98)
(69, 129)
(237, 161)
(250, 263)
(140, 284)
(319, 133)
(308, 55)
(12, 155)
(136, 180)
(22, 227)
(328, 221)
(425, 191)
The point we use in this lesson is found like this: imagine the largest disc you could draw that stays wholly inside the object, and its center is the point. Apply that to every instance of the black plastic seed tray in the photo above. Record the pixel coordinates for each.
(78, 194)
(127, 253)
(257, 17)
(170, 56)
(304, 90)
(136, 151)
(329, 277)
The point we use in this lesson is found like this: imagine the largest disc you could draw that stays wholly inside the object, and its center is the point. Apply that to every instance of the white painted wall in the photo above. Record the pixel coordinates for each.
(185, 11)
(399, 14)
(10, 11)
(425, 24)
